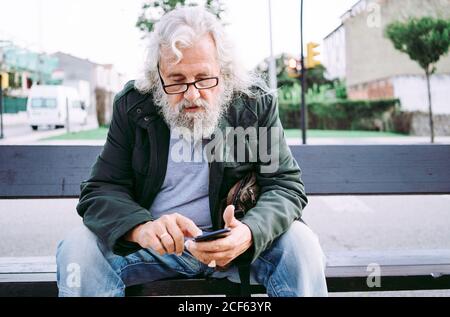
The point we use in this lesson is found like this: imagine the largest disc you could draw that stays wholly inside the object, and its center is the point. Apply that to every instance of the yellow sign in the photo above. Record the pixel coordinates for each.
(5, 80)
(311, 62)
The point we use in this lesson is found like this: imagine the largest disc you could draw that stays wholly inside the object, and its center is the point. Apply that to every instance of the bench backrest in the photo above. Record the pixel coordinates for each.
(56, 171)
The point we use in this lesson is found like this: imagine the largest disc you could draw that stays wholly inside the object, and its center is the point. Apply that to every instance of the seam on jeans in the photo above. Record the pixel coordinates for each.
(66, 290)
(178, 269)
(196, 266)
(138, 263)
(120, 284)
(261, 257)
(273, 287)
(269, 281)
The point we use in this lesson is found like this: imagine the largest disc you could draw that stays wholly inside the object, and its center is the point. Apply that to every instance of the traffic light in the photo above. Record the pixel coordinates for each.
(311, 54)
(293, 68)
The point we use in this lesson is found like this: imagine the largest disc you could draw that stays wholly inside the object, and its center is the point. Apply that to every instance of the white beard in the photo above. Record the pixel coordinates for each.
(201, 123)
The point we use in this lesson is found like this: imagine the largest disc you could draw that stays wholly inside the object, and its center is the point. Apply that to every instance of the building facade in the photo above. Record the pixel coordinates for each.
(374, 69)
(97, 83)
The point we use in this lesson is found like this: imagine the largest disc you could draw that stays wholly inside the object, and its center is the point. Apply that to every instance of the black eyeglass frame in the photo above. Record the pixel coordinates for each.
(187, 84)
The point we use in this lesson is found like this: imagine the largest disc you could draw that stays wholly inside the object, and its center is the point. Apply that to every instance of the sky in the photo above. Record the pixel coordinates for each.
(104, 31)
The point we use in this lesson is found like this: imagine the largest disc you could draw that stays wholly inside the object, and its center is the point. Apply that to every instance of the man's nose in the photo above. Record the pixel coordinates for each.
(192, 94)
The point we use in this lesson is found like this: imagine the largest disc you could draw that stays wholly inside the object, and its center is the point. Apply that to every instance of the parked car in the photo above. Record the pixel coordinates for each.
(49, 105)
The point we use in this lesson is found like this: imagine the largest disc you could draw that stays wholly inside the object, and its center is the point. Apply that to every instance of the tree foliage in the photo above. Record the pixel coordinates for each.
(425, 40)
(153, 10)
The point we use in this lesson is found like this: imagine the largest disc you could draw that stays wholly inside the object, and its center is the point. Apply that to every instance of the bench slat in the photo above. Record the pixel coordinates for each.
(203, 287)
(57, 171)
(346, 271)
(388, 257)
(410, 262)
(15, 265)
(27, 277)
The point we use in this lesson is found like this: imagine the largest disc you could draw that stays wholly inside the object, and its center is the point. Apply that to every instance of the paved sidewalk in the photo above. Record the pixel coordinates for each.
(14, 119)
(29, 137)
(372, 140)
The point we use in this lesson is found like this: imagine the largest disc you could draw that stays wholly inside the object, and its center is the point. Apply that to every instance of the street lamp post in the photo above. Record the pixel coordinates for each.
(1, 107)
(272, 62)
(302, 77)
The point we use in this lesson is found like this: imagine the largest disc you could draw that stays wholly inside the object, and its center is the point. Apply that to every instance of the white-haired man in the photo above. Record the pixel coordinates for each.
(144, 201)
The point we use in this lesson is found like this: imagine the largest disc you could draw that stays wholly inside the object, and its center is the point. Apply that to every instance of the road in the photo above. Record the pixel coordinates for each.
(18, 131)
(33, 227)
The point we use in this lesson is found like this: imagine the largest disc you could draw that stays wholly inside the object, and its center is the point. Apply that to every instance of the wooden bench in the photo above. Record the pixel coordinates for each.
(56, 172)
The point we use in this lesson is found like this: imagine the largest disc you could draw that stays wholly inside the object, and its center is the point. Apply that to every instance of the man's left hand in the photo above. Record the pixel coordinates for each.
(224, 250)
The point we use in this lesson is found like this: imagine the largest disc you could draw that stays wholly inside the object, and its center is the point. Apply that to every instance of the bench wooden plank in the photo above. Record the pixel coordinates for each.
(346, 271)
(35, 264)
(44, 171)
(56, 171)
(188, 287)
(375, 169)
(339, 263)
(29, 289)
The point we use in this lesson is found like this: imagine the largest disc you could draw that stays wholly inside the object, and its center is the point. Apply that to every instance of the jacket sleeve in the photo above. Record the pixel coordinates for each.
(282, 197)
(107, 202)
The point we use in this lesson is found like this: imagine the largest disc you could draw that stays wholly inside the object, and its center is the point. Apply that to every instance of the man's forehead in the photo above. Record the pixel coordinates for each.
(188, 69)
(201, 56)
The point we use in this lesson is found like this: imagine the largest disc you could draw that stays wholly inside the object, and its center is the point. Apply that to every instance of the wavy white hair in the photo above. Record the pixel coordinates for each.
(181, 28)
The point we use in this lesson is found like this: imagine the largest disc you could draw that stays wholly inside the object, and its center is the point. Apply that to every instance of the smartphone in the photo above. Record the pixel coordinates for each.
(209, 236)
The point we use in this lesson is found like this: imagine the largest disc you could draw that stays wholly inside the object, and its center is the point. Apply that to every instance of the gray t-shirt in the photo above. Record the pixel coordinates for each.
(185, 187)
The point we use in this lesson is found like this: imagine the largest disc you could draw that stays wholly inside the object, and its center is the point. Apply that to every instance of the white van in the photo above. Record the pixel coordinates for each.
(47, 106)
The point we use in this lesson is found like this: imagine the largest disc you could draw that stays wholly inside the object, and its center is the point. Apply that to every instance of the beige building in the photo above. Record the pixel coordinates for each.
(359, 52)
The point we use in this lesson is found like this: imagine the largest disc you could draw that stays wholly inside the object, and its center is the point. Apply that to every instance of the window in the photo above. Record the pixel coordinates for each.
(43, 103)
(76, 104)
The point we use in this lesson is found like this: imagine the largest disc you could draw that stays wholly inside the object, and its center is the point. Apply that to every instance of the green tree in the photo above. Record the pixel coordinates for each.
(425, 40)
(153, 10)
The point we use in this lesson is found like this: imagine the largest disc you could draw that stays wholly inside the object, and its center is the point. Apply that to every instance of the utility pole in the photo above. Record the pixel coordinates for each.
(1, 107)
(67, 116)
(272, 63)
(302, 77)
(39, 66)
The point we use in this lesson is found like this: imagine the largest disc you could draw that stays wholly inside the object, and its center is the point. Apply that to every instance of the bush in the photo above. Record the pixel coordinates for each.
(373, 115)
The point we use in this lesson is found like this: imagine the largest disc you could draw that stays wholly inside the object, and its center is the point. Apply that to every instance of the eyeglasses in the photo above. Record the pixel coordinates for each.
(175, 89)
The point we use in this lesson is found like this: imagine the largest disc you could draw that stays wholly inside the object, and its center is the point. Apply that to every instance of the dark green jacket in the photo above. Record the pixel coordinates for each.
(130, 171)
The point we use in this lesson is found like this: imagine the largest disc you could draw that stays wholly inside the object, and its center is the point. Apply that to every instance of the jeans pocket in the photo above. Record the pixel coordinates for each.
(191, 265)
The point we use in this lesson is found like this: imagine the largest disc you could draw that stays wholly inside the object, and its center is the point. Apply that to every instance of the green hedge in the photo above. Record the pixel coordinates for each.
(14, 104)
(343, 115)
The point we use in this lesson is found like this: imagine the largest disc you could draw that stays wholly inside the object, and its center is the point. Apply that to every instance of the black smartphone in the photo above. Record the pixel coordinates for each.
(213, 235)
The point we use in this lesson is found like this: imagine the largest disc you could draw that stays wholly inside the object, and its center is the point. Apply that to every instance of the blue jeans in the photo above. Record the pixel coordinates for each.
(294, 265)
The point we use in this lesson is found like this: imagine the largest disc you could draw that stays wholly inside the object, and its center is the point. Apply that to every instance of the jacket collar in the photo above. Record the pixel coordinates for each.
(142, 110)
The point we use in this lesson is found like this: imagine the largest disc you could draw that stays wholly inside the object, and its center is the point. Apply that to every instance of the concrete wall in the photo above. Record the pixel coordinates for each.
(76, 69)
(369, 55)
(420, 124)
(378, 89)
(334, 54)
(412, 91)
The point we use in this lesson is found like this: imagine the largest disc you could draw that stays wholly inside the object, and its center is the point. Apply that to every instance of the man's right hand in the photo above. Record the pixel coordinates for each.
(164, 235)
